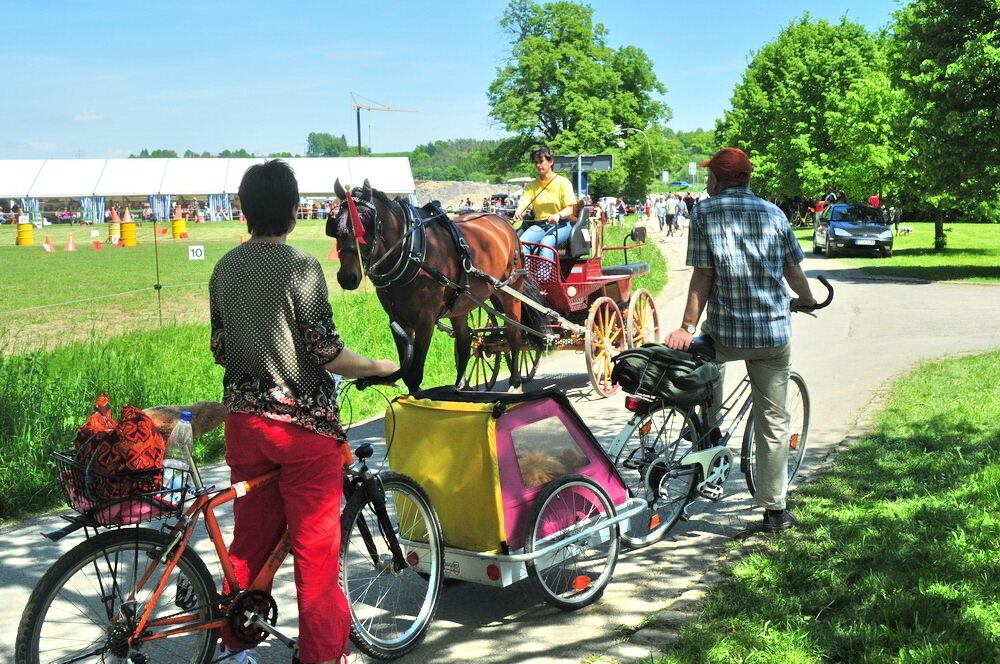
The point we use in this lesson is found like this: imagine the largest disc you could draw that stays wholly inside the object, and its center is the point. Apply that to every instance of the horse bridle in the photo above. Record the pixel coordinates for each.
(411, 258)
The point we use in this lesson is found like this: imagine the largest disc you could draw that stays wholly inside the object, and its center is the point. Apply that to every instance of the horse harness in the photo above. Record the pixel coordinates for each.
(413, 253)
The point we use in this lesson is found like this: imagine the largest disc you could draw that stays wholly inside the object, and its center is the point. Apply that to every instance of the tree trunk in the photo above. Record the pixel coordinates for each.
(940, 241)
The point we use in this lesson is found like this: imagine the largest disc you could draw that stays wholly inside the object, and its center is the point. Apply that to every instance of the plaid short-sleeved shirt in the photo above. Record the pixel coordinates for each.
(748, 244)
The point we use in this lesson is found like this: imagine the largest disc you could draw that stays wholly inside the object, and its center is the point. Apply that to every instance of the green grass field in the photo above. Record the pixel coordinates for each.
(973, 254)
(56, 359)
(897, 554)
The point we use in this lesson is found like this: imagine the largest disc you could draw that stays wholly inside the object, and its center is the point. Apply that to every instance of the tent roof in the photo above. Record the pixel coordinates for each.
(129, 177)
(194, 176)
(58, 178)
(16, 176)
(65, 178)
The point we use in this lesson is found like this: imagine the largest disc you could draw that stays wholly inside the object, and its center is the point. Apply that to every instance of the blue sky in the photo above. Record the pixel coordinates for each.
(103, 79)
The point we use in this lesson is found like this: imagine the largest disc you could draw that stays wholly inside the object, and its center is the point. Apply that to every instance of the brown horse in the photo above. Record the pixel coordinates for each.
(419, 298)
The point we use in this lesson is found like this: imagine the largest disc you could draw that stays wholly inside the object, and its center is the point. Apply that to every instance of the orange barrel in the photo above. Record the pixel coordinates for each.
(114, 231)
(25, 235)
(128, 233)
(178, 227)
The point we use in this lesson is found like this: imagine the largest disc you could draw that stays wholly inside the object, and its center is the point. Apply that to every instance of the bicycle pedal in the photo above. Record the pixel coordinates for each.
(710, 491)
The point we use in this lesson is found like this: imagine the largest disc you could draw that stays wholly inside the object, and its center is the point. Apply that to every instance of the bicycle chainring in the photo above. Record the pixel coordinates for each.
(254, 601)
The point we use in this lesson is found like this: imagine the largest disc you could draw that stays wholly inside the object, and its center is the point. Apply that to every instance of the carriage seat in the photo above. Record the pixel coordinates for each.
(625, 269)
(580, 239)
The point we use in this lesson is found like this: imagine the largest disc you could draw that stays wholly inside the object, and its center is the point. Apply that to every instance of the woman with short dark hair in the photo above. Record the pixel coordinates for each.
(273, 331)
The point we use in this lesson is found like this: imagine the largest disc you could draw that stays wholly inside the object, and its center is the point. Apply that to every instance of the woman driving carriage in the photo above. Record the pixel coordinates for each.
(551, 199)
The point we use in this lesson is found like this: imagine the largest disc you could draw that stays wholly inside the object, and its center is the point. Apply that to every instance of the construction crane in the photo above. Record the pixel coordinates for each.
(380, 107)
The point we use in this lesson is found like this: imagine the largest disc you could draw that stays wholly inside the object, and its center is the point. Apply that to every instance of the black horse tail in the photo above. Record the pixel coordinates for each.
(530, 316)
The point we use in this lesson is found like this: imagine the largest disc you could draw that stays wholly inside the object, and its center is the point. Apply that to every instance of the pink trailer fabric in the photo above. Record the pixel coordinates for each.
(537, 442)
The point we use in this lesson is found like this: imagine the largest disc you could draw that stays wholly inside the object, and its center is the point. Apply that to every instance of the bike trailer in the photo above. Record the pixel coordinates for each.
(483, 458)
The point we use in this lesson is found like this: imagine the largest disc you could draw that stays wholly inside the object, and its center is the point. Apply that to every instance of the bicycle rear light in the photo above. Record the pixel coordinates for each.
(637, 405)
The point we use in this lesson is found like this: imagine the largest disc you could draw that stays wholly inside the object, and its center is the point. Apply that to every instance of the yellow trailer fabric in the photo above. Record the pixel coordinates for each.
(449, 448)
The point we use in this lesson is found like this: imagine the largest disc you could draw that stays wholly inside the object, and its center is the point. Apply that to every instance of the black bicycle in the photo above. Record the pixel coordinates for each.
(669, 455)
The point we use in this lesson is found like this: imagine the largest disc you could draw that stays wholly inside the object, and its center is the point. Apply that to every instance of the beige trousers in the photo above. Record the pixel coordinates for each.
(768, 369)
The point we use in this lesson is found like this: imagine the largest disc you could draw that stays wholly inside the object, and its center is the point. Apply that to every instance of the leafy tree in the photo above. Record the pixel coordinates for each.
(206, 155)
(190, 154)
(326, 145)
(161, 154)
(866, 126)
(235, 154)
(563, 85)
(280, 155)
(946, 56)
(780, 107)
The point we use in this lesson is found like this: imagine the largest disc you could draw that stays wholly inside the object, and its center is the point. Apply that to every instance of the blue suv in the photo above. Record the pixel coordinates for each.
(843, 228)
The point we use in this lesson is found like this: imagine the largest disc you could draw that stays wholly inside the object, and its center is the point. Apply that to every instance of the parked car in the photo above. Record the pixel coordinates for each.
(843, 228)
(678, 183)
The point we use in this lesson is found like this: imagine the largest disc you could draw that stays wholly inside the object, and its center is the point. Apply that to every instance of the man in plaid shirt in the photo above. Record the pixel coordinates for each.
(742, 251)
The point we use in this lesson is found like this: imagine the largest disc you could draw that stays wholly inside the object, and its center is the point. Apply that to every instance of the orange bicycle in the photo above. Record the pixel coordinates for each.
(140, 595)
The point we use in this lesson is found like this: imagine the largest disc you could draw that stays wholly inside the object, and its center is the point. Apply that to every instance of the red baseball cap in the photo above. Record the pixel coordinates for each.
(730, 164)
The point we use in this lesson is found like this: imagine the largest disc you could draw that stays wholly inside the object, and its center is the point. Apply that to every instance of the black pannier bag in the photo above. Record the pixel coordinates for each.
(675, 377)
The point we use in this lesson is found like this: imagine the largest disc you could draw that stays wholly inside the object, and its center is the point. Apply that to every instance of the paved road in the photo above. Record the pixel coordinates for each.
(874, 330)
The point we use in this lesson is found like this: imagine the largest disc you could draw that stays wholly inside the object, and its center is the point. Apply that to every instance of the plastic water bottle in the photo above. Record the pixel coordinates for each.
(177, 460)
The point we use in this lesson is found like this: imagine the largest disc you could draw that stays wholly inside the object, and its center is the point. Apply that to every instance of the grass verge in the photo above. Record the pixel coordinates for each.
(973, 254)
(897, 556)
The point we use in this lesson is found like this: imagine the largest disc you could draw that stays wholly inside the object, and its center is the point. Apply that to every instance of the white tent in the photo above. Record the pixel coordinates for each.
(72, 178)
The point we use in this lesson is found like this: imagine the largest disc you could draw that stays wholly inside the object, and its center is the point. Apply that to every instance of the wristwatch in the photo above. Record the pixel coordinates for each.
(690, 329)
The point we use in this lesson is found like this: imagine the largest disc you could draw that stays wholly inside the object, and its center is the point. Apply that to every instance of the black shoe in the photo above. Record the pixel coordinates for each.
(776, 521)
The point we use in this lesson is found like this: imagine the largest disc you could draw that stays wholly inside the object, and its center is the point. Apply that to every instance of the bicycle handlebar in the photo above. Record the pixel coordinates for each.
(368, 381)
(819, 305)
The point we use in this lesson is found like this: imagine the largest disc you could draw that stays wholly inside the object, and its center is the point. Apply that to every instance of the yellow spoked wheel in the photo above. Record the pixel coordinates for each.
(484, 361)
(604, 339)
(642, 324)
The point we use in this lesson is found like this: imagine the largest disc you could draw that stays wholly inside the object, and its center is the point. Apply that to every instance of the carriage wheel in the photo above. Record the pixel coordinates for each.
(605, 338)
(642, 323)
(484, 362)
(527, 359)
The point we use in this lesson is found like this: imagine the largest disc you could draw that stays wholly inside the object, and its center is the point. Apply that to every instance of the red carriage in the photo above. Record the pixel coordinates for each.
(591, 307)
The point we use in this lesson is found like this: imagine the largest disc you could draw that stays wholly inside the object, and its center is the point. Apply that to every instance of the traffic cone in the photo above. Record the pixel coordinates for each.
(127, 217)
(243, 239)
(333, 254)
(162, 230)
(70, 243)
(47, 246)
(96, 244)
(243, 219)
(115, 219)
(184, 236)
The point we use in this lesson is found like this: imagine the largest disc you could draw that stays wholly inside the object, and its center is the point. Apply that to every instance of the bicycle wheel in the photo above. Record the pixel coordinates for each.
(88, 603)
(648, 464)
(391, 608)
(798, 430)
(575, 574)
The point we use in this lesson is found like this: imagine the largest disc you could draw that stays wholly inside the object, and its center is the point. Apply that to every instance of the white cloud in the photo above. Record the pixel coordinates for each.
(42, 146)
(87, 116)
